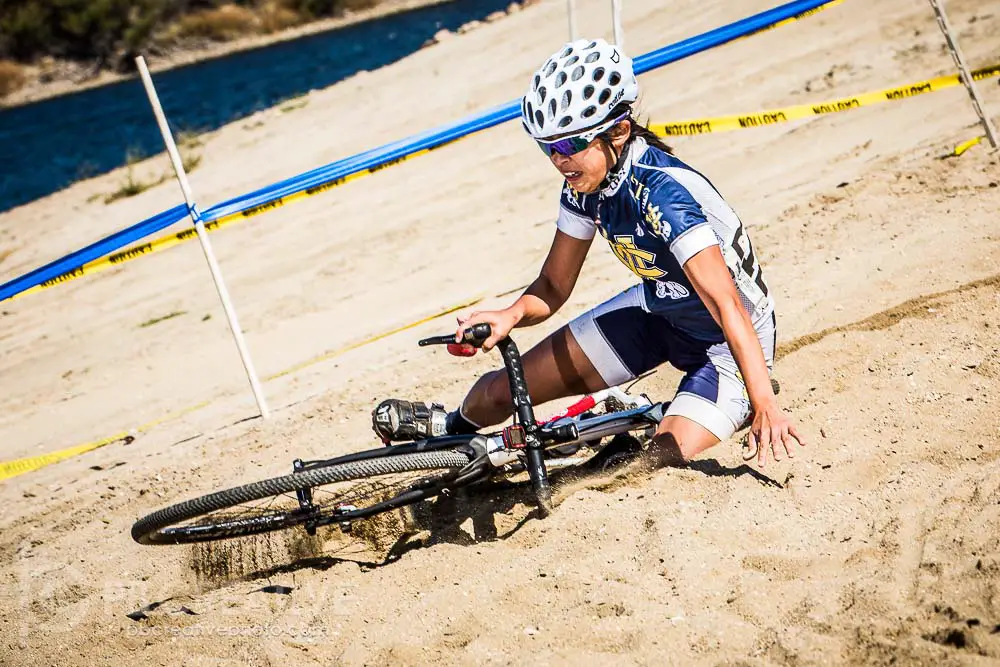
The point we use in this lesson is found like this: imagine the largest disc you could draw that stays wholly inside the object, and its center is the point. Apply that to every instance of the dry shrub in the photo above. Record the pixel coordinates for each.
(11, 77)
(357, 5)
(275, 17)
(219, 24)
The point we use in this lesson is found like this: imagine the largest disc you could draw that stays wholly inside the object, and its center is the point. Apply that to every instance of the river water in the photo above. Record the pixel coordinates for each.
(48, 145)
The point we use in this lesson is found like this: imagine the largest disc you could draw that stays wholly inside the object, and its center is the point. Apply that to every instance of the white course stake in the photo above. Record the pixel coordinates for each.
(970, 85)
(206, 246)
(616, 20)
(571, 15)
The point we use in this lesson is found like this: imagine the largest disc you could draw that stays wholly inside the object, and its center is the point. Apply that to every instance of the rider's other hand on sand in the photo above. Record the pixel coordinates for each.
(772, 430)
(500, 321)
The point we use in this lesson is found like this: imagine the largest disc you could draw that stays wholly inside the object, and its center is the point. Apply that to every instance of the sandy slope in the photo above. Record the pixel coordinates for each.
(880, 543)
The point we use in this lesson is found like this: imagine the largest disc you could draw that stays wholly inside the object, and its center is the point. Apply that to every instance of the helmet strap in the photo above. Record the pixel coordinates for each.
(619, 157)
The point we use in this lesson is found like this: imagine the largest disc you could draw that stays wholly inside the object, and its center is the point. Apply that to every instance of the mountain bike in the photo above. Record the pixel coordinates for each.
(353, 487)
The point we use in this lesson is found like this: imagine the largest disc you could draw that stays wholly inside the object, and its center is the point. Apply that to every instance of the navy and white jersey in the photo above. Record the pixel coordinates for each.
(657, 213)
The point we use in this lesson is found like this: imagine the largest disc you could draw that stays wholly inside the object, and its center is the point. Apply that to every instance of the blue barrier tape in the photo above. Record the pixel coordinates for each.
(95, 250)
(498, 115)
(383, 155)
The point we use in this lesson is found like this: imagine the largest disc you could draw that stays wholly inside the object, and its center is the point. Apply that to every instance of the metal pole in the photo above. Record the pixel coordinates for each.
(206, 246)
(970, 85)
(571, 14)
(616, 20)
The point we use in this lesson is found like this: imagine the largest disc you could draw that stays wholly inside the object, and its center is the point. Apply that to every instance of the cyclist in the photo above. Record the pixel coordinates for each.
(702, 304)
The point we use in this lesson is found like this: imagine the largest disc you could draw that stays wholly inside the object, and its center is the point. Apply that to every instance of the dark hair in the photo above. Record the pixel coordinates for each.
(639, 130)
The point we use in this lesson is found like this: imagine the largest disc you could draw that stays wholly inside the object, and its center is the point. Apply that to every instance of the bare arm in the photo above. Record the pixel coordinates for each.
(543, 297)
(555, 282)
(708, 273)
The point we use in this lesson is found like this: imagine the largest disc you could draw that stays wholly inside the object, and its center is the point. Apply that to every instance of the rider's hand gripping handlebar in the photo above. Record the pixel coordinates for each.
(475, 336)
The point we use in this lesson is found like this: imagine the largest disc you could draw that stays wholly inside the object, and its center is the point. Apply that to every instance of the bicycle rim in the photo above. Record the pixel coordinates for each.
(350, 490)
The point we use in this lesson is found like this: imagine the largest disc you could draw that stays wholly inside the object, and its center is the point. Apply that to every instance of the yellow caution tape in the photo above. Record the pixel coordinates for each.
(807, 13)
(773, 116)
(20, 466)
(966, 145)
(170, 240)
(372, 339)
(678, 128)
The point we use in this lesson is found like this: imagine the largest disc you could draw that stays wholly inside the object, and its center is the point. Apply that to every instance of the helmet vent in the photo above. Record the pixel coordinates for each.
(590, 46)
(550, 68)
(541, 94)
(566, 99)
(568, 50)
(605, 96)
(539, 118)
(589, 111)
(538, 80)
(572, 61)
(552, 108)
(614, 78)
(577, 73)
(593, 57)
(598, 74)
(560, 79)
(588, 92)
(566, 120)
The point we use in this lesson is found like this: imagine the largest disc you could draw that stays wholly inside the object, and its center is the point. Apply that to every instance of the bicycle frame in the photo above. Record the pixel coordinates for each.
(497, 455)
(488, 452)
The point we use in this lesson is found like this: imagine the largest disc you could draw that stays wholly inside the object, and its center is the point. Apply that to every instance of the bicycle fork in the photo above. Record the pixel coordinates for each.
(525, 414)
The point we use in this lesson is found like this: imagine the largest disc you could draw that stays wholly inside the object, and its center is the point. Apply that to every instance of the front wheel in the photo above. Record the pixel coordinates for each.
(346, 491)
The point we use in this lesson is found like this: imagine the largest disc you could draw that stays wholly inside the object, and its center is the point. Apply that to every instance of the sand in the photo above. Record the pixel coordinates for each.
(877, 545)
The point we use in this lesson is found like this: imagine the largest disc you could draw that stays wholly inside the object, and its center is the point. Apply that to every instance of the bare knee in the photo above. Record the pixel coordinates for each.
(669, 450)
(679, 440)
(496, 390)
(488, 402)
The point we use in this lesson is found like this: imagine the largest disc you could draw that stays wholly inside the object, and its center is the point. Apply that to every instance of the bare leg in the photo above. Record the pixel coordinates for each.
(554, 368)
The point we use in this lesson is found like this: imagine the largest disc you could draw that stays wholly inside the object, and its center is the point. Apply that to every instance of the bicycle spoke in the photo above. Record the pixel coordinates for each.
(361, 494)
(354, 488)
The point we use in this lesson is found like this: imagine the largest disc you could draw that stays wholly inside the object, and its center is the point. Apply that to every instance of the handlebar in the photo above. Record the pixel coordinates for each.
(475, 336)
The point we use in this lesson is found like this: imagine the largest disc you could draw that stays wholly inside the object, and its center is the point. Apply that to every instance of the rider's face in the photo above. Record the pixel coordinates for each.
(586, 170)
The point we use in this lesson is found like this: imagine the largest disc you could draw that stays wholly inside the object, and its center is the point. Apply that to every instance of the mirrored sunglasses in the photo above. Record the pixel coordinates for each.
(568, 146)
(572, 145)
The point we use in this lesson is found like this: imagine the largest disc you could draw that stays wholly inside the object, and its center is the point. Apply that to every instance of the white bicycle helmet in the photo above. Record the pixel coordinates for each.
(577, 88)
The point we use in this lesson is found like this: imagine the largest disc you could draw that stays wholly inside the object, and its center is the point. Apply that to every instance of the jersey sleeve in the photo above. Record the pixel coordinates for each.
(672, 213)
(573, 218)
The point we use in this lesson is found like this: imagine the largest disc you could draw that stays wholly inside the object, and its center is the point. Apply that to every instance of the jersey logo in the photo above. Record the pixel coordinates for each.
(655, 219)
(639, 261)
(572, 197)
(671, 289)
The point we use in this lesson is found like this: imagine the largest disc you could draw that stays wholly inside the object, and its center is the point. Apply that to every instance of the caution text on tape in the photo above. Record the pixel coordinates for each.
(799, 111)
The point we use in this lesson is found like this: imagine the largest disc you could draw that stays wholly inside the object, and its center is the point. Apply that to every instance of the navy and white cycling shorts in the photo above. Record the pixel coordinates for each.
(624, 341)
